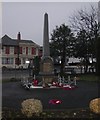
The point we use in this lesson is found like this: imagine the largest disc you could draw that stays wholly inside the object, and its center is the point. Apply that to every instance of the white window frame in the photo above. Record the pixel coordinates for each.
(29, 51)
(23, 50)
(11, 50)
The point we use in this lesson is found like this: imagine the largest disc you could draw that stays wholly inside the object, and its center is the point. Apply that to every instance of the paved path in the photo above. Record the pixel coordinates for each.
(13, 94)
(8, 74)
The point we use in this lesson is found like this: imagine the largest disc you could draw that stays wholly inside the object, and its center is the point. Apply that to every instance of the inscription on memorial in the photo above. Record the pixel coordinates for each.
(47, 67)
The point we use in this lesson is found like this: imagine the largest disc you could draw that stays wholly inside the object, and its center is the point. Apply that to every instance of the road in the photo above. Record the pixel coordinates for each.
(13, 94)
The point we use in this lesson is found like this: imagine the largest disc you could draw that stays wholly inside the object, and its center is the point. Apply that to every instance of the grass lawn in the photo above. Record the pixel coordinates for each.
(84, 113)
(62, 114)
(81, 77)
(8, 113)
(87, 77)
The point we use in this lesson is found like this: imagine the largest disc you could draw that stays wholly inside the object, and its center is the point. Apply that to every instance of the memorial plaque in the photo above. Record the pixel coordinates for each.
(47, 67)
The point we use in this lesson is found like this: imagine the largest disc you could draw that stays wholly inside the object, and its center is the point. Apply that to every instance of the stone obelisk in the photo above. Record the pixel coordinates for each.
(46, 50)
(46, 65)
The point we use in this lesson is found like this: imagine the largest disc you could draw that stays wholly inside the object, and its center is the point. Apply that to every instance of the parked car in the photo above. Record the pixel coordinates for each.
(70, 69)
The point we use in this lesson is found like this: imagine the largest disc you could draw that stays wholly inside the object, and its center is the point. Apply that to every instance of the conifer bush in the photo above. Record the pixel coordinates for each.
(95, 105)
(31, 107)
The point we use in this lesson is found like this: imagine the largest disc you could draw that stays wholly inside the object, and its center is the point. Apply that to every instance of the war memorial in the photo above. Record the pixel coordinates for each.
(46, 76)
(70, 101)
(46, 65)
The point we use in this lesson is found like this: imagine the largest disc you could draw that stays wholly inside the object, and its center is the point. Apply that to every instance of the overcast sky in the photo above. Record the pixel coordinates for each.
(28, 18)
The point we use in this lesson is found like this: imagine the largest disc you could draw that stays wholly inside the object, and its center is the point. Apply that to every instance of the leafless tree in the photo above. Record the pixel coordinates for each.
(87, 20)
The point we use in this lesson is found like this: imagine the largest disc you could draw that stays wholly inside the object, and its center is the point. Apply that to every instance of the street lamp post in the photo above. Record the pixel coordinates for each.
(28, 62)
(18, 52)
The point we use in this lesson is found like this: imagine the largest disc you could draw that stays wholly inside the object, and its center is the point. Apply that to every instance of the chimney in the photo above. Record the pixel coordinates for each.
(18, 36)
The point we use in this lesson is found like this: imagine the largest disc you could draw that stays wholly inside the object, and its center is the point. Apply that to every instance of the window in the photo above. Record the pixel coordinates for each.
(26, 50)
(3, 60)
(7, 50)
(23, 50)
(11, 50)
(29, 51)
(7, 60)
(33, 51)
(11, 60)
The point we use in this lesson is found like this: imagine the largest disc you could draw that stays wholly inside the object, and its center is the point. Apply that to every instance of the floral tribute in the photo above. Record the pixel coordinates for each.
(69, 87)
(55, 101)
(35, 82)
(65, 87)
